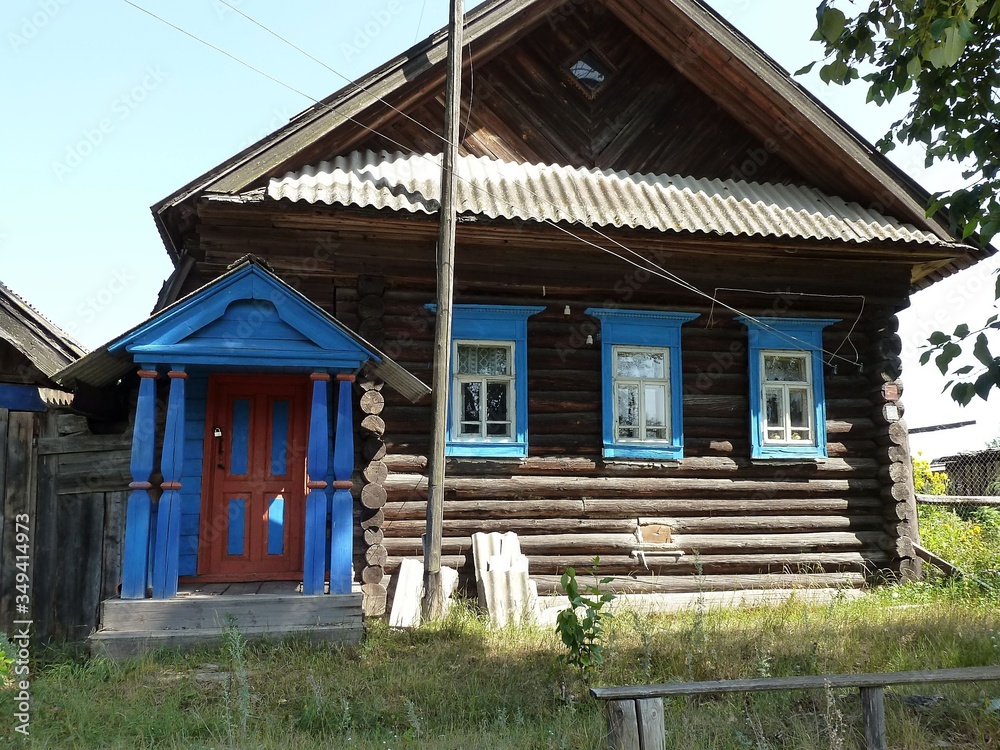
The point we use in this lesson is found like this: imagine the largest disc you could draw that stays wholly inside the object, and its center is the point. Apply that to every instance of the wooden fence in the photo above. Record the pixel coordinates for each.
(67, 488)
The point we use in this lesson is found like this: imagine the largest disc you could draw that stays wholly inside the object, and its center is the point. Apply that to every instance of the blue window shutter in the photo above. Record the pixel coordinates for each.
(649, 328)
(789, 334)
(493, 323)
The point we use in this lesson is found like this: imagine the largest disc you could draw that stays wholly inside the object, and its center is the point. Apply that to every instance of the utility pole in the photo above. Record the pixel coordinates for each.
(433, 599)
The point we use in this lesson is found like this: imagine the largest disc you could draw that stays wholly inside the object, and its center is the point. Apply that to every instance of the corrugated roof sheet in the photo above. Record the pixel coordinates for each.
(593, 197)
(46, 345)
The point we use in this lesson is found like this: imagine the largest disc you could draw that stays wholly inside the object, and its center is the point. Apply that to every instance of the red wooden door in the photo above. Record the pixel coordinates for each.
(253, 493)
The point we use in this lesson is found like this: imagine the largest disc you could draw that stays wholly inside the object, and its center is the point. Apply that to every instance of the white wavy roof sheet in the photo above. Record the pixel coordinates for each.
(592, 197)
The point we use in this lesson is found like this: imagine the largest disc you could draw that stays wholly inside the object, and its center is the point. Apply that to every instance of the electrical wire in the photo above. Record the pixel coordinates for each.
(656, 270)
(662, 272)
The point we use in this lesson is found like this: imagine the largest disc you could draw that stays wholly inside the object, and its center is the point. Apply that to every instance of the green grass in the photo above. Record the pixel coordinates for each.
(459, 685)
(966, 536)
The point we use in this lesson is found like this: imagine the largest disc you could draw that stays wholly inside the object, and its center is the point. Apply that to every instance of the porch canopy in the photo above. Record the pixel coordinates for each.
(246, 321)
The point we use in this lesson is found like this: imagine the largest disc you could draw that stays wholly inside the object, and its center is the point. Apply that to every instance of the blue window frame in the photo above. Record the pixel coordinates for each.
(641, 382)
(787, 395)
(488, 400)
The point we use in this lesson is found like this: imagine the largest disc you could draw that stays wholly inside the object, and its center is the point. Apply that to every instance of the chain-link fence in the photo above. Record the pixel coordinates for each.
(971, 478)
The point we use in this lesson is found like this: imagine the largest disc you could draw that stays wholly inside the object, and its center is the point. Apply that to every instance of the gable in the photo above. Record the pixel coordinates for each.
(248, 318)
(647, 117)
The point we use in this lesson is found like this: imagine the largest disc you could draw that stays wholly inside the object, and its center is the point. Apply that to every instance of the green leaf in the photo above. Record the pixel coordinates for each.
(937, 338)
(982, 352)
(939, 26)
(985, 384)
(805, 69)
(926, 357)
(832, 22)
(963, 393)
(914, 66)
(962, 331)
(944, 359)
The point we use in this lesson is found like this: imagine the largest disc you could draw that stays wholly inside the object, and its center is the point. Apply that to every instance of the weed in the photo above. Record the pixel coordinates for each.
(8, 655)
(236, 689)
(582, 637)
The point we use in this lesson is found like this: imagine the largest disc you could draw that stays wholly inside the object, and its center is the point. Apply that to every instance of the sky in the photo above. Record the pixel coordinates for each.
(110, 110)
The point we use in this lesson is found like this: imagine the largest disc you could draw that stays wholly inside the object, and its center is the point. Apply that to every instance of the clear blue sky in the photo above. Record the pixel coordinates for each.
(110, 110)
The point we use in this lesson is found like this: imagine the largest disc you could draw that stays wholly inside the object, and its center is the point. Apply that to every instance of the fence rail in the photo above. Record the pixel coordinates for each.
(980, 500)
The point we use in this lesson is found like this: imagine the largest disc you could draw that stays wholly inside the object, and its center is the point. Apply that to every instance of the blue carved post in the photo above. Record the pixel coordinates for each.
(135, 558)
(342, 542)
(168, 517)
(314, 568)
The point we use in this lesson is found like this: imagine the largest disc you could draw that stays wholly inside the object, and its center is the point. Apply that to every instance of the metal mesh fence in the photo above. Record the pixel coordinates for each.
(971, 478)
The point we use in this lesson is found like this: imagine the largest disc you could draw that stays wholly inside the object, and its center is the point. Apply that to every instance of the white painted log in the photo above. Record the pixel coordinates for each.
(406, 601)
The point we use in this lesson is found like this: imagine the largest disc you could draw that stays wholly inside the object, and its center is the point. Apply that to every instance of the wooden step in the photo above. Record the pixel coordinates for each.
(274, 611)
(119, 645)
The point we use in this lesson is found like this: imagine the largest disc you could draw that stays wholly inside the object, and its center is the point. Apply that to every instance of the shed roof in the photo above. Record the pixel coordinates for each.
(46, 345)
(592, 197)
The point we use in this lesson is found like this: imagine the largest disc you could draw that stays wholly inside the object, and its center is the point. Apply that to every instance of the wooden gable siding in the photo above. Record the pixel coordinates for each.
(648, 117)
(829, 522)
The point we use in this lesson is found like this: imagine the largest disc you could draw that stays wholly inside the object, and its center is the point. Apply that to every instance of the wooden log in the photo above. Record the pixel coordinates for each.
(624, 544)
(373, 496)
(677, 507)
(372, 574)
(896, 434)
(375, 472)
(551, 584)
(894, 472)
(415, 485)
(374, 521)
(369, 284)
(370, 384)
(371, 306)
(376, 555)
(730, 525)
(373, 449)
(373, 599)
(372, 402)
(373, 536)
(373, 425)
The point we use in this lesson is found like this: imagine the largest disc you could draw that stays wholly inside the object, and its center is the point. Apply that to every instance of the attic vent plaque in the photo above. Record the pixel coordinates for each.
(590, 72)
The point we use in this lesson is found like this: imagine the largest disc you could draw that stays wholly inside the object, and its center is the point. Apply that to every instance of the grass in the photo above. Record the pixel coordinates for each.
(458, 684)
(966, 536)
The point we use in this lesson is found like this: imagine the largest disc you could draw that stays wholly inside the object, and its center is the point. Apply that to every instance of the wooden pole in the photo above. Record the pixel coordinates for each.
(873, 717)
(433, 597)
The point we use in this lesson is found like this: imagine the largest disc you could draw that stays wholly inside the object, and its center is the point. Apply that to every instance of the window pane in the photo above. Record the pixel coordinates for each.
(801, 435)
(492, 360)
(470, 401)
(784, 369)
(656, 433)
(775, 434)
(496, 401)
(628, 405)
(466, 359)
(498, 429)
(472, 428)
(774, 408)
(656, 406)
(628, 433)
(798, 404)
(649, 365)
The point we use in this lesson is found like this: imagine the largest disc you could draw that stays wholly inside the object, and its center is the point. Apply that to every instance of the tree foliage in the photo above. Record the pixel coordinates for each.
(945, 56)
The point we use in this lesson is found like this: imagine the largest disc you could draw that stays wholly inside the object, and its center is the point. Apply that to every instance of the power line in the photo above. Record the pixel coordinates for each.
(656, 270)
(663, 272)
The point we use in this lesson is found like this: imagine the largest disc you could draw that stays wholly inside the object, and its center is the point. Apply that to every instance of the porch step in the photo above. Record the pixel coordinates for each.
(124, 644)
(251, 611)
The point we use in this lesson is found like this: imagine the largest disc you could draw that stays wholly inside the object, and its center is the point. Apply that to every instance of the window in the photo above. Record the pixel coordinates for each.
(787, 403)
(488, 406)
(484, 385)
(589, 72)
(642, 395)
(641, 382)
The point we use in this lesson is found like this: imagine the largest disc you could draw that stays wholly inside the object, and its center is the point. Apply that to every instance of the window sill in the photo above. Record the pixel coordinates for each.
(802, 458)
(469, 449)
(647, 452)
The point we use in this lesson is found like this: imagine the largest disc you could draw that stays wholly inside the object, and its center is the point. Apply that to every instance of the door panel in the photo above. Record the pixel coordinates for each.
(254, 478)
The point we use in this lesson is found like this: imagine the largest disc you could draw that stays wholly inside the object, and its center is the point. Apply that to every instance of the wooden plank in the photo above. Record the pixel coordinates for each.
(873, 717)
(114, 537)
(980, 500)
(4, 421)
(649, 718)
(623, 729)
(811, 682)
(19, 502)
